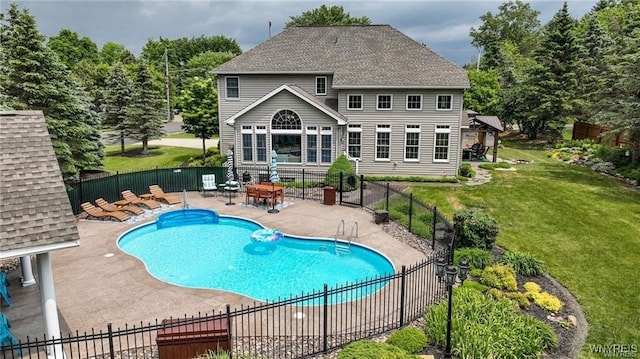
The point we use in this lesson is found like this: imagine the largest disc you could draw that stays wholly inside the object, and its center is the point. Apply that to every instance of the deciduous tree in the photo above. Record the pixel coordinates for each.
(199, 103)
(324, 15)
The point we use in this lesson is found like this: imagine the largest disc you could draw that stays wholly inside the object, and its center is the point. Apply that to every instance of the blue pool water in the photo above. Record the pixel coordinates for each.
(196, 248)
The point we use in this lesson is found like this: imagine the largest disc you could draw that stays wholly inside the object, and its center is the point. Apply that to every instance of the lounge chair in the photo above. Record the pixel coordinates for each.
(4, 294)
(6, 337)
(159, 194)
(209, 184)
(96, 212)
(133, 199)
(111, 207)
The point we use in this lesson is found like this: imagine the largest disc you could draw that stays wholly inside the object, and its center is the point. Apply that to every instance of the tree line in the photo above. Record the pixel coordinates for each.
(543, 77)
(82, 89)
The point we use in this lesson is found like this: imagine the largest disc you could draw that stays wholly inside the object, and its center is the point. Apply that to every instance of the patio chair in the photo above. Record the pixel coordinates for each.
(4, 293)
(159, 194)
(252, 193)
(110, 207)
(133, 199)
(476, 151)
(209, 184)
(96, 212)
(6, 337)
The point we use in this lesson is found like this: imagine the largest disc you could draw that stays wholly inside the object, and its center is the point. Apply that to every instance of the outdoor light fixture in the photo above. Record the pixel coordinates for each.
(448, 272)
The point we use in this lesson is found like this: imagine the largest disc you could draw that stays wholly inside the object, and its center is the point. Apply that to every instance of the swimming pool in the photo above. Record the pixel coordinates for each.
(196, 248)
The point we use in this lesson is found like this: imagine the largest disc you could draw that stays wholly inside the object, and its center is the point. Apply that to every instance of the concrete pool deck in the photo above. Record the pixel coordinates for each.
(97, 284)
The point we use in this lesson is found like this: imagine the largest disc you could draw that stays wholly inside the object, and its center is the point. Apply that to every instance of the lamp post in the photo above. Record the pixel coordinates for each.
(447, 270)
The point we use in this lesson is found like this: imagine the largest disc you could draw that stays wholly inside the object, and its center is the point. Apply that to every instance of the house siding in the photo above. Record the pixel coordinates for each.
(254, 87)
(263, 114)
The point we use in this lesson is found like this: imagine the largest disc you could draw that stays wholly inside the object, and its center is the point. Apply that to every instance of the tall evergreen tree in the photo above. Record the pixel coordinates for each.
(33, 78)
(117, 98)
(555, 78)
(594, 64)
(623, 99)
(145, 114)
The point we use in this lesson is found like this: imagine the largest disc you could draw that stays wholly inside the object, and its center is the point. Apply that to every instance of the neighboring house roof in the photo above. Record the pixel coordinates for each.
(296, 91)
(492, 121)
(470, 116)
(35, 212)
(375, 56)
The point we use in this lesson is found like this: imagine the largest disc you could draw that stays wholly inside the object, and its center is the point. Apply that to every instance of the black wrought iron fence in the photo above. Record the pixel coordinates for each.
(418, 217)
(295, 327)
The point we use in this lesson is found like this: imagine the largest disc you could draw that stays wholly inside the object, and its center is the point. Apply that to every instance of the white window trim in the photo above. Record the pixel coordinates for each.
(356, 128)
(375, 147)
(444, 109)
(406, 102)
(326, 84)
(390, 102)
(226, 88)
(361, 102)
(442, 130)
(407, 130)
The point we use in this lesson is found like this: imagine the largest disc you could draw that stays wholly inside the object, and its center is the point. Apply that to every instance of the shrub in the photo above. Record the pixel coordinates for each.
(410, 339)
(368, 349)
(532, 287)
(475, 272)
(477, 258)
(350, 180)
(499, 276)
(518, 299)
(486, 328)
(495, 293)
(475, 285)
(475, 229)
(466, 170)
(542, 299)
(523, 264)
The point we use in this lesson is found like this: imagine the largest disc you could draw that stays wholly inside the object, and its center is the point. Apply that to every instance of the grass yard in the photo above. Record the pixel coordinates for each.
(585, 226)
(134, 160)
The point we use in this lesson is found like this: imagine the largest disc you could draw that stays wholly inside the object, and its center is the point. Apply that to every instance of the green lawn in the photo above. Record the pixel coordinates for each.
(159, 156)
(179, 135)
(584, 225)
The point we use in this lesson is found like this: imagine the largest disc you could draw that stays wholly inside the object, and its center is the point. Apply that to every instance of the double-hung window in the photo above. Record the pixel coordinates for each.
(321, 85)
(247, 143)
(383, 142)
(232, 87)
(261, 143)
(354, 138)
(414, 102)
(325, 144)
(442, 140)
(444, 103)
(411, 142)
(354, 102)
(384, 102)
(312, 144)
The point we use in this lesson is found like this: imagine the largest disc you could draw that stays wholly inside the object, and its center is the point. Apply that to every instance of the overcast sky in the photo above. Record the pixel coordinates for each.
(442, 25)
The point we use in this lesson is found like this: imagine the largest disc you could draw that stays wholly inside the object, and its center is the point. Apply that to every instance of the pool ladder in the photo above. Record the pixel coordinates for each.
(344, 247)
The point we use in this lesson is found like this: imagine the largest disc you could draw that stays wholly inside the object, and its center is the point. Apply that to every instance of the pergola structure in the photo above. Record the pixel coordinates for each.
(35, 213)
(481, 129)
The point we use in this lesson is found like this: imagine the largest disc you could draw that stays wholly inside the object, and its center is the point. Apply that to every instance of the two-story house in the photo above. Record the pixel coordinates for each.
(314, 93)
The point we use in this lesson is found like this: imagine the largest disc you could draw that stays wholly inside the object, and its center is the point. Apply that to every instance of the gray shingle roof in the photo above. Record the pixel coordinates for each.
(34, 206)
(357, 56)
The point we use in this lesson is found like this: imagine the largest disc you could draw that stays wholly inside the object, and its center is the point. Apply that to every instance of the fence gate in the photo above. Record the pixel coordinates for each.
(351, 189)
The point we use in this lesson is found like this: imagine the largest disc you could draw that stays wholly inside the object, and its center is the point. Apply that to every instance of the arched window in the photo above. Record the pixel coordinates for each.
(286, 120)
(286, 136)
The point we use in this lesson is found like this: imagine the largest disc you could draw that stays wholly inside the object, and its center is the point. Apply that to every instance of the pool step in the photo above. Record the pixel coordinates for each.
(342, 248)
